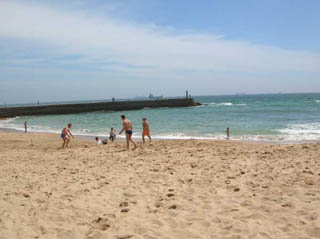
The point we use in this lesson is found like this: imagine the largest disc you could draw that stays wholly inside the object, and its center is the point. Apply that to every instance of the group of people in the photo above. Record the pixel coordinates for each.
(126, 127)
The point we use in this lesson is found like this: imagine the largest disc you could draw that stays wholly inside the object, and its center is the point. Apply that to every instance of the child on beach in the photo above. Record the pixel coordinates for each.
(66, 134)
(127, 127)
(112, 134)
(146, 129)
(99, 141)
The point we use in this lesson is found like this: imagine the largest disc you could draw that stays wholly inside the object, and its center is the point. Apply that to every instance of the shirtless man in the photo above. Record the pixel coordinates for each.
(66, 134)
(127, 127)
(146, 129)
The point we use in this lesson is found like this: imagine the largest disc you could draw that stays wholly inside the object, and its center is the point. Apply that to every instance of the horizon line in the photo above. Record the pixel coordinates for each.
(136, 97)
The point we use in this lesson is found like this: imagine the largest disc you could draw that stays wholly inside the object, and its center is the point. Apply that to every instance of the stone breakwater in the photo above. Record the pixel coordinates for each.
(9, 112)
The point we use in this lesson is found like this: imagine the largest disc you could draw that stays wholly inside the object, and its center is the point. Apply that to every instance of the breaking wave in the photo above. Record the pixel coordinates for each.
(309, 131)
(224, 104)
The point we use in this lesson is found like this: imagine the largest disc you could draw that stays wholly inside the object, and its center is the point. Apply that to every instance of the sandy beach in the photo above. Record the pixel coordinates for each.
(166, 189)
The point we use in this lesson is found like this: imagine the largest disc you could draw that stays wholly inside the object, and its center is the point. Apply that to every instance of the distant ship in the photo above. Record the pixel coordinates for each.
(152, 97)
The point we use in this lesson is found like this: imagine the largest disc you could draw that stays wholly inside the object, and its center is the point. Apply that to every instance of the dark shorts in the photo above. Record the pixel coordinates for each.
(62, 136)
(129, 132)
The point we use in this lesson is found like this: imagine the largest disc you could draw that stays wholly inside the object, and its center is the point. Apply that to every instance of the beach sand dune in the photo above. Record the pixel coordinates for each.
(166, 189)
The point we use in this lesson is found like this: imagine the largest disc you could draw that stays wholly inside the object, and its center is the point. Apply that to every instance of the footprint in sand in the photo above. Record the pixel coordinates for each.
(125, 209)
(124, 204)
(157, 222)
(170, 195)
(313, 232)
(126, 236)
(171, 222)
(103, 222)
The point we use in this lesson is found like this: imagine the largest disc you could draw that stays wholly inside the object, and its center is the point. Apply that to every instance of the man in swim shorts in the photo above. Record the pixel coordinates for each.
(146, 129)
(66, 135)
(127, 127)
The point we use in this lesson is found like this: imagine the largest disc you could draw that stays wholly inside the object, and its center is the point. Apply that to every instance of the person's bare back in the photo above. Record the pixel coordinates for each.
(127, 125)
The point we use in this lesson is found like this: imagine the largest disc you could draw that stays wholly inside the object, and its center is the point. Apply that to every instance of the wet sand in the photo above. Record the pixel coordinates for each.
(166, 189)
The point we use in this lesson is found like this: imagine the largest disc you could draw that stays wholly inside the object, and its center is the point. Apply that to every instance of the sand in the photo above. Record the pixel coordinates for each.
(167, 189)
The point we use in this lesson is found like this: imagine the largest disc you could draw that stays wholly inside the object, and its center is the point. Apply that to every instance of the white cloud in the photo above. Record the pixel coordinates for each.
(142, 48)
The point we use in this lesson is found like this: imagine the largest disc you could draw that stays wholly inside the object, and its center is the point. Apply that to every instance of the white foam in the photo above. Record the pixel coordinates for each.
(224, 104)
(83, 131)
(296, 137)
(10, 124)
(185, 136)
(309, 131)
(7, 124)
(212, 103)
(318, 101)
(6, 121)
(240, 104)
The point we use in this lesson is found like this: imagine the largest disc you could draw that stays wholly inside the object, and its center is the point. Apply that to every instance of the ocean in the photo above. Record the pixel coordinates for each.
(269, 117)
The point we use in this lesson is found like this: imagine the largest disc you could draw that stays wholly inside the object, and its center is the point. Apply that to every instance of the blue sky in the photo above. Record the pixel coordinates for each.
(74, 50)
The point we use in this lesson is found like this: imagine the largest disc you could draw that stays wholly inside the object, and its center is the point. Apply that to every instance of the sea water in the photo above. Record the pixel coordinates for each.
(278, 117)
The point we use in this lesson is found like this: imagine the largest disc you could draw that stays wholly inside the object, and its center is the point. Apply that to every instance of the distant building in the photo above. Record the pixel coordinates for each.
(152, 97)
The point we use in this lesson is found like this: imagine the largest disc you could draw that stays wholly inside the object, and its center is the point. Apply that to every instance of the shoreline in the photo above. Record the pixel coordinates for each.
(137, 138)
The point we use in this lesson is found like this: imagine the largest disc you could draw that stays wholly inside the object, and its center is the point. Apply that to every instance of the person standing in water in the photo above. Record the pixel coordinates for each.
(25, 126)
(146, 129)
(127, 127)
(228, 133)
(66, 135)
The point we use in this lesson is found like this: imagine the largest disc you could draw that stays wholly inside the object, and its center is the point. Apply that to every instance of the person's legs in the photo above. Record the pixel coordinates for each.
(63, 137)
(127, 139)
(149, 137)
(143, 137)
(135, 146)
(67, 142)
